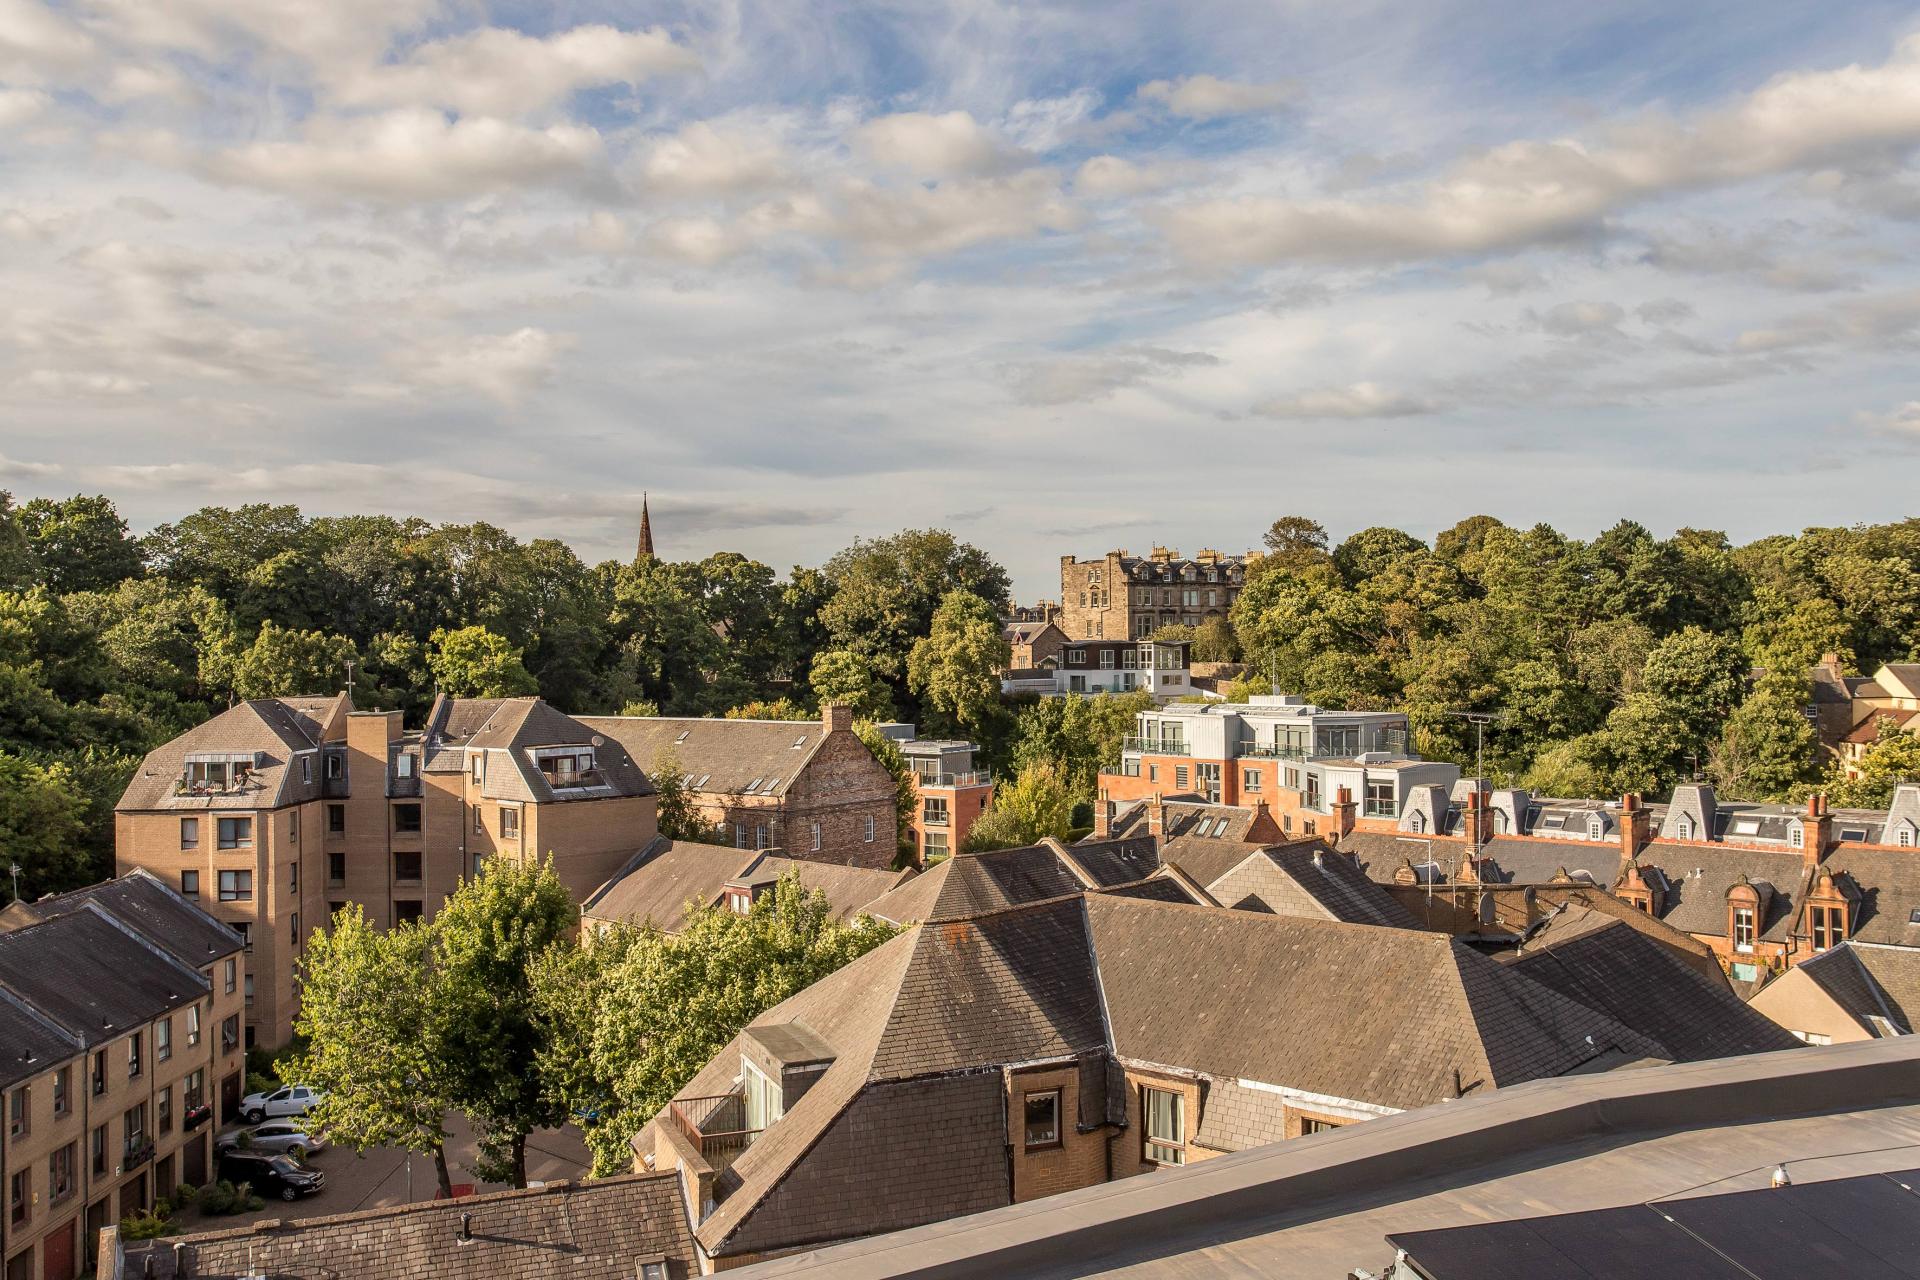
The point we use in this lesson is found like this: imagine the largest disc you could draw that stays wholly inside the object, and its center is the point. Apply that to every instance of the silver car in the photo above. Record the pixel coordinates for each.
(283, 1137)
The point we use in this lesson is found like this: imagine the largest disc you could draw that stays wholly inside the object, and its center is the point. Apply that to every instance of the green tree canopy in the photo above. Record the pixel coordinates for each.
(80, 543)
(42, 820)
(281, 663)
(473, 662)
(846, 677)
(956, 668)
(1033, 806)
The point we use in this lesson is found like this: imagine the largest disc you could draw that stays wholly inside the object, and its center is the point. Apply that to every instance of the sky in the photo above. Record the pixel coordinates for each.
(1059, 277)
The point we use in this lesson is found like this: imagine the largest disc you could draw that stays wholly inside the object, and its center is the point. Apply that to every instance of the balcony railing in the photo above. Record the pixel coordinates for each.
(716, 1126)
(972, 778)
(136, 1153)
(578, 778)
(1157, 746)
(196, 1114)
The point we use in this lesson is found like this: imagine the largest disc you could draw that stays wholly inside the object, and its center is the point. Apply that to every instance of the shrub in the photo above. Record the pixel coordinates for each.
(223, 1197)
(144, 1225)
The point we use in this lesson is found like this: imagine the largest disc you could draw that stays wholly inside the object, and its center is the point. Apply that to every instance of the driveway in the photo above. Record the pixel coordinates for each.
(381, 1176)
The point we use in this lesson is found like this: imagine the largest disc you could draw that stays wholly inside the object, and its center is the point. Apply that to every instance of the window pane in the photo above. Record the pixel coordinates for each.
(1043, 1119)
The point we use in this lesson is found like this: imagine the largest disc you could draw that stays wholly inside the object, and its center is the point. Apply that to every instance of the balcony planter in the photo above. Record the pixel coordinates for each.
(138, 1156)
(194, 1117)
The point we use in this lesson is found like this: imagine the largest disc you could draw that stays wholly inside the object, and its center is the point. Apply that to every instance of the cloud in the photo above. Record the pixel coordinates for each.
(1664, 311)
(934, 146)
(1106, 176)
(1206, 97)
(64, 385)
(414, 154)
(1902, 421)
(705, 159)
(17, 106)
(16, 469)
(38, 45)
(1360, 400)
(1079, 379)
(1579, 319)
(497, 72)
(1530, 192)
(504, 367)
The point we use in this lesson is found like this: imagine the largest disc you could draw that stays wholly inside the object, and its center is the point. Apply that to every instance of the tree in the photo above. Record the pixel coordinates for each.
(17, 568)
(1214, 641)
(906, 792)
(281, 663)
(1891, 759)
(372, 1009)
(42, 813)
(473, 662)
(677, 817)
(652, 1009)
(81, 543)
(1035, 805)
(1296, 544)
(845, 677)
(777, 709)
(956, 667)
(1699, 676)
(1768, 747)
(486, 941)
(1370, 551)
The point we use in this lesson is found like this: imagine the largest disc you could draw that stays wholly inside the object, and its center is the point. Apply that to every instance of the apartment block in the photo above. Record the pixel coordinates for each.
(658, 885)
(278, 812)
(1124, 597)
(120, 1053)
(809, 788)
(953, 791)
(1107, 666)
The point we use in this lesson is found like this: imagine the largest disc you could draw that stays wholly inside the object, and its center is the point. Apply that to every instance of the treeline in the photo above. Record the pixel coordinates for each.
(111, 644)
(1627, 663)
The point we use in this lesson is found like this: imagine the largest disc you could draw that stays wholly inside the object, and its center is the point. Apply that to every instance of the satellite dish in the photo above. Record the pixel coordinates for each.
(599, 741)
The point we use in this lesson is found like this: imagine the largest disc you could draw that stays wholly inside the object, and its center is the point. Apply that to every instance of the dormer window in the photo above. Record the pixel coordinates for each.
(1797, 836)
(1596, 827)
(1417, 823)
(1905, 838)
(1743, 929)
(1829, 926)
(1684, 828)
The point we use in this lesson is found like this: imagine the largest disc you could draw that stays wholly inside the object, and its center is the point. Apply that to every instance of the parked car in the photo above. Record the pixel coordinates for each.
(271, 1175)
(275, 1137)
(290, 1100)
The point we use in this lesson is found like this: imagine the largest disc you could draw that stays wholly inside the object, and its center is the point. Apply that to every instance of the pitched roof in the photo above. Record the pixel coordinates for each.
(1871, 981)
(91, 975)
(1607, 965)
(589, 1230)
(1308, 878)
(969, 883)
(29, 1041)
(269, 730)
(656, 884)
(145, 903)
(736, 756)
(511, 729)
(1888, 881)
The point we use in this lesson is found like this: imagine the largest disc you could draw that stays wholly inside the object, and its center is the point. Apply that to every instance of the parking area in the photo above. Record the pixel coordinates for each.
(385, 1176)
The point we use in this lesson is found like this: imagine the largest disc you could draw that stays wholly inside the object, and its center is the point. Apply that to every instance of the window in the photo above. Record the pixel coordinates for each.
(189, 833)
(336, 767)
(293, 878)
(1829, 927)
(406, 818)
(479, 767)
(297, 935)
(1249, 779)
(133, 1056)
(62, 1091)
(1797, 836)
(293, 826)
(189, 884)
(933, 811)
(407, 910)
(1309, 1125)
(873, 828)
(193, 1025)
(306, 768)
(230, 1033)
(739, 835)
(739, 901)
(814, 829)
(1684, 828)
(336, 867)
(97, 1145)
(163, 1109)
(406, 866)
(99, 1072)
(236, 833)
(232, 969)
(249, 988)
(509, 823)
(17, 1199)
(403, 765)
(1313, 791)
(1166, 1131)
(1043, 1119)
(336, 819)
(1180, 777)
(1106, 659)
(1743, 928)
(764, 1102)
(245, 929)
(19, 1111)
(934, 847)
(133, 1127)
(655, 1269)
(163, 1040)
(60, 1181)
(1380, 799)
(236, 886)
(335, 908)
(1905, 840)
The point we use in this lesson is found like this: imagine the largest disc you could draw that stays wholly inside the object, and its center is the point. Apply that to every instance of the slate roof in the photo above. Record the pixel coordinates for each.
(29, 1042)
(657, 882)
(969, 883)
(719, 755)
(589, 1230)
(1888, 881)
(1699, 875)
(146, 903)
(1606, 965)
(1870, 981)
(1308, 878)
(89, 974)
(508, 728)
(1187, 817)
(907, 1124)
(274, 729)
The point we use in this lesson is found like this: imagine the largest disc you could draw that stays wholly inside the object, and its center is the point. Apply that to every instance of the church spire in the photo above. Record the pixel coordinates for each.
(645, 551)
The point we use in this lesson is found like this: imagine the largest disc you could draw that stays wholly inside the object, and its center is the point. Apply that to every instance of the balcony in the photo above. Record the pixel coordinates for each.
(716, 1126)
(136, 1153)
(972, 778)
(576, 780)
(196, 1114)
(1156, 746)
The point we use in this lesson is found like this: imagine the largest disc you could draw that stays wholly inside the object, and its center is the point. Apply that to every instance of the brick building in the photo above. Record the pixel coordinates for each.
(1124, 597)
(120, 1017)
(1008, 1053)
(662, 880)
(952, 791)
(279, 811)
(810, 788)
(1032, 644)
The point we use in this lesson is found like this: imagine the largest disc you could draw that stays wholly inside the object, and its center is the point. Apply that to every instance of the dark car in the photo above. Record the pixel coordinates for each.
(271, 1174)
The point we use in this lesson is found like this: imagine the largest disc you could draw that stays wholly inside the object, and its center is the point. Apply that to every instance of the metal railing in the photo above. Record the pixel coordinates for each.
(971, 778)
(1157, 746)
(715, 1126)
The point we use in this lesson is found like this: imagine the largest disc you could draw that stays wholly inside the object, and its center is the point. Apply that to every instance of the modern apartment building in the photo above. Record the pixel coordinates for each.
(1318, 772)
(278, 812)
(1124, 597)
(953, 791)
(1107, 666)
(810, 788)
(120, 1038)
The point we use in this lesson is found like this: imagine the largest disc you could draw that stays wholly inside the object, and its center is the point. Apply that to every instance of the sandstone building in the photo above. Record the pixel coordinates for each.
(1124, 597)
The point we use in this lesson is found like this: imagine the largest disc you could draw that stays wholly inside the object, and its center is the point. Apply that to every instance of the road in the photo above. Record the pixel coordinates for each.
(380, 1177)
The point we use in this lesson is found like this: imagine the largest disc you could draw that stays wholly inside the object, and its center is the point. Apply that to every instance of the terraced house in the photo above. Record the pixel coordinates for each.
(1127, 597)
(120, 1013)
(998, 1053)
(280, 811)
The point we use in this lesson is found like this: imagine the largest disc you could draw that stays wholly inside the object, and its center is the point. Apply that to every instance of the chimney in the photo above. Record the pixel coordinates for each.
(1816, 829)
(1103, 818)
(1343, 809)
(1474, 823)
(1635, 827)
(1469, 869)
(837, 717)
(1156, 814)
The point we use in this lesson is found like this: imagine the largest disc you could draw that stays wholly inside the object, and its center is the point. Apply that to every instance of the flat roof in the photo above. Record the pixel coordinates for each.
(1325, 1205)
